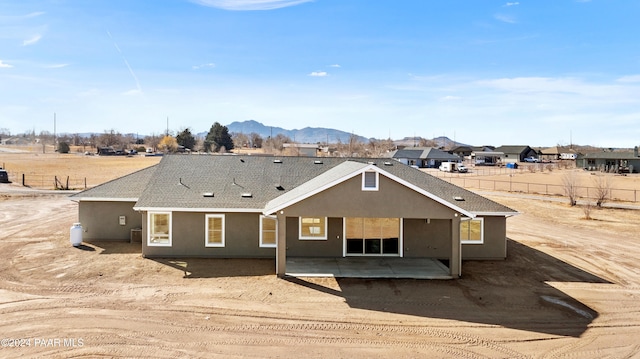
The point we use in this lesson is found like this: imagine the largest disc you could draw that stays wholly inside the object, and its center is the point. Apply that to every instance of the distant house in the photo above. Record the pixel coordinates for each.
(557, 153)
(485, 156)
(303, 149)
(423, 157)
(609, 161)
(295, 207)
(462, 151)
(516, 153)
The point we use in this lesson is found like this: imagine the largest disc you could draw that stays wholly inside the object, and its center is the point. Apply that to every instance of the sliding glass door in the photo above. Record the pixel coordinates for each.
(372, 236)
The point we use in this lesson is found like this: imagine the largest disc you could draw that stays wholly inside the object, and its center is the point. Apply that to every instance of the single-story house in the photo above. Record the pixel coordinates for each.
(610, 161)
(218, 206)
(423, 157)
(516, 153)
(302, 149)
(462, 151)
(557, 153)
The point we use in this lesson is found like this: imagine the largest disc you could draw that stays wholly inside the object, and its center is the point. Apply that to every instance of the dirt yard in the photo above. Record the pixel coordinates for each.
(569, 288)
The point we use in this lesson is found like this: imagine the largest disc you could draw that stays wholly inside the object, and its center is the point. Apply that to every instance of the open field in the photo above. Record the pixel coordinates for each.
(40, 169)
(569, 288)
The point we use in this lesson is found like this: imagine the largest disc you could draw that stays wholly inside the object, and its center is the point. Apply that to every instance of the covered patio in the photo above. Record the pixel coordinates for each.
(367, 267)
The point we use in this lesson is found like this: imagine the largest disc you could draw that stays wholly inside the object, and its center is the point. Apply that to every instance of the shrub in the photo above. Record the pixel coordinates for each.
(63, 147)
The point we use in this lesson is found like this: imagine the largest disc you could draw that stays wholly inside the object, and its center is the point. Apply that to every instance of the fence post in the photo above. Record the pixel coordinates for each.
(23, 181)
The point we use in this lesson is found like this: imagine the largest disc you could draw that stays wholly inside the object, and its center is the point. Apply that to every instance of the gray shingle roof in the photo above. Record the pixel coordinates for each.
(180, 182)
(424, 153)
(128, 187)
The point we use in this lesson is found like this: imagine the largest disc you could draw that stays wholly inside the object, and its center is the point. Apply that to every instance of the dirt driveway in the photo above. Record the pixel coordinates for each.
(564, 291)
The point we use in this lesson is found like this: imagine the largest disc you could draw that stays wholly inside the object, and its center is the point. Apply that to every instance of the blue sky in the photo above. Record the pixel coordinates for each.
(541, 72)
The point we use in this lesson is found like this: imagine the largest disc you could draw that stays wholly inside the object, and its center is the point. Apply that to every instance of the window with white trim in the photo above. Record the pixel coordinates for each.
(159, 229)
(370, 181)
(312, 228)
(214, 230)
(268, 231)
(472, 230)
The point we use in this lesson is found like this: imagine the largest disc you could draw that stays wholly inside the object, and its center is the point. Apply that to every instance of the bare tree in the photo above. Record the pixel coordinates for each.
(570, 185)
(586, 209)
(603, 189)
(240, 140)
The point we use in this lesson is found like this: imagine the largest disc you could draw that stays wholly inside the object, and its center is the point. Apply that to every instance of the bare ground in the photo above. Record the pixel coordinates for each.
(569, 288)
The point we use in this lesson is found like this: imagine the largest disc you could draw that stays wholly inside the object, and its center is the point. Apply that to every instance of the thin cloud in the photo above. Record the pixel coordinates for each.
(449, 98)
(55, 66)
(335, 65)
(4, 66)
(204, 66)
(512, 4)
(631, 78)
(135, 78)
(21, 17)
(34, 39)
(248, 5)
(318, 74)
(505, 18)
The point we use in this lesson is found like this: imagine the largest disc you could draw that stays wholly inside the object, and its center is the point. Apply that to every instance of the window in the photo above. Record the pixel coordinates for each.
(372, 236)
(214, 230)
(159, 229)
(472, 231)
(268, 231)
(313, 228)
(370, 181)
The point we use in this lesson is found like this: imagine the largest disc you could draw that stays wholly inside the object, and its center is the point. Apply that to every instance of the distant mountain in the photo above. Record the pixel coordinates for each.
(305, 135)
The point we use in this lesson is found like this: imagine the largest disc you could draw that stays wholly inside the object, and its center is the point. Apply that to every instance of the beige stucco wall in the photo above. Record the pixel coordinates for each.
(349, 200)
(100, 220)
(331, 247)
(422, 239)
(495, 241)
(242, 237)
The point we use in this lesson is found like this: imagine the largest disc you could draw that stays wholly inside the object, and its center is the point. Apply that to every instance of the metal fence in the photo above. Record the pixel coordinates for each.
(41, 181)
(615, 194)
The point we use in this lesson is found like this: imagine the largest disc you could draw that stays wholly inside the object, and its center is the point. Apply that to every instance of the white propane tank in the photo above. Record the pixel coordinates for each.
(75, 234)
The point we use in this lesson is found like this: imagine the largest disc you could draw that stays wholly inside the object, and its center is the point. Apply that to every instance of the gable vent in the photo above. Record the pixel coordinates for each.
(247, 195)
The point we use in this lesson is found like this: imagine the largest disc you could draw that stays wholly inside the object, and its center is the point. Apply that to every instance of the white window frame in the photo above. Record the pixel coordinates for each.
(206, 231)
(150, 229)
(312, 238)
(268, 245)
(377, 179)
(481, 241)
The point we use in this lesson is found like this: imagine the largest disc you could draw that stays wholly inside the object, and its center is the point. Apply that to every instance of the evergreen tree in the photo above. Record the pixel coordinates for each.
(186, 139)
(218, 138)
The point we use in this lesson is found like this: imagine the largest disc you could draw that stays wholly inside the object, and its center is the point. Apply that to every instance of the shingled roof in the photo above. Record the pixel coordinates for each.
(258, 184)
(253, 183)
(127, 188)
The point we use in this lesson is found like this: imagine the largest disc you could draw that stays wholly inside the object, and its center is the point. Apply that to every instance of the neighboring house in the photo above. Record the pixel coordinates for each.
(462, 151)
(558, 153)
(282, 207)
(617, 162)
(423, 157)
(303, 149)
(516, 153)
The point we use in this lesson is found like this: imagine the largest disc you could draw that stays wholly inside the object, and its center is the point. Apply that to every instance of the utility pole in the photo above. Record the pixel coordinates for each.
(54, 131)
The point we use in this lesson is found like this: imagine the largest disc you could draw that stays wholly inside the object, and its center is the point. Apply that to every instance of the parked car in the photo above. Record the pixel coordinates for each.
(462, 169)
(4, 176)
(532, 160)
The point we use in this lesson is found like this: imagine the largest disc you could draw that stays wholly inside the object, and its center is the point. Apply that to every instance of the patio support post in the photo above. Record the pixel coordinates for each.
(455, 264)
(281, 245)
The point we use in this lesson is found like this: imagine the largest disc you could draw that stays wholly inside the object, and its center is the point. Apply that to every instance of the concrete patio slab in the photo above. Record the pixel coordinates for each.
(367, 267)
